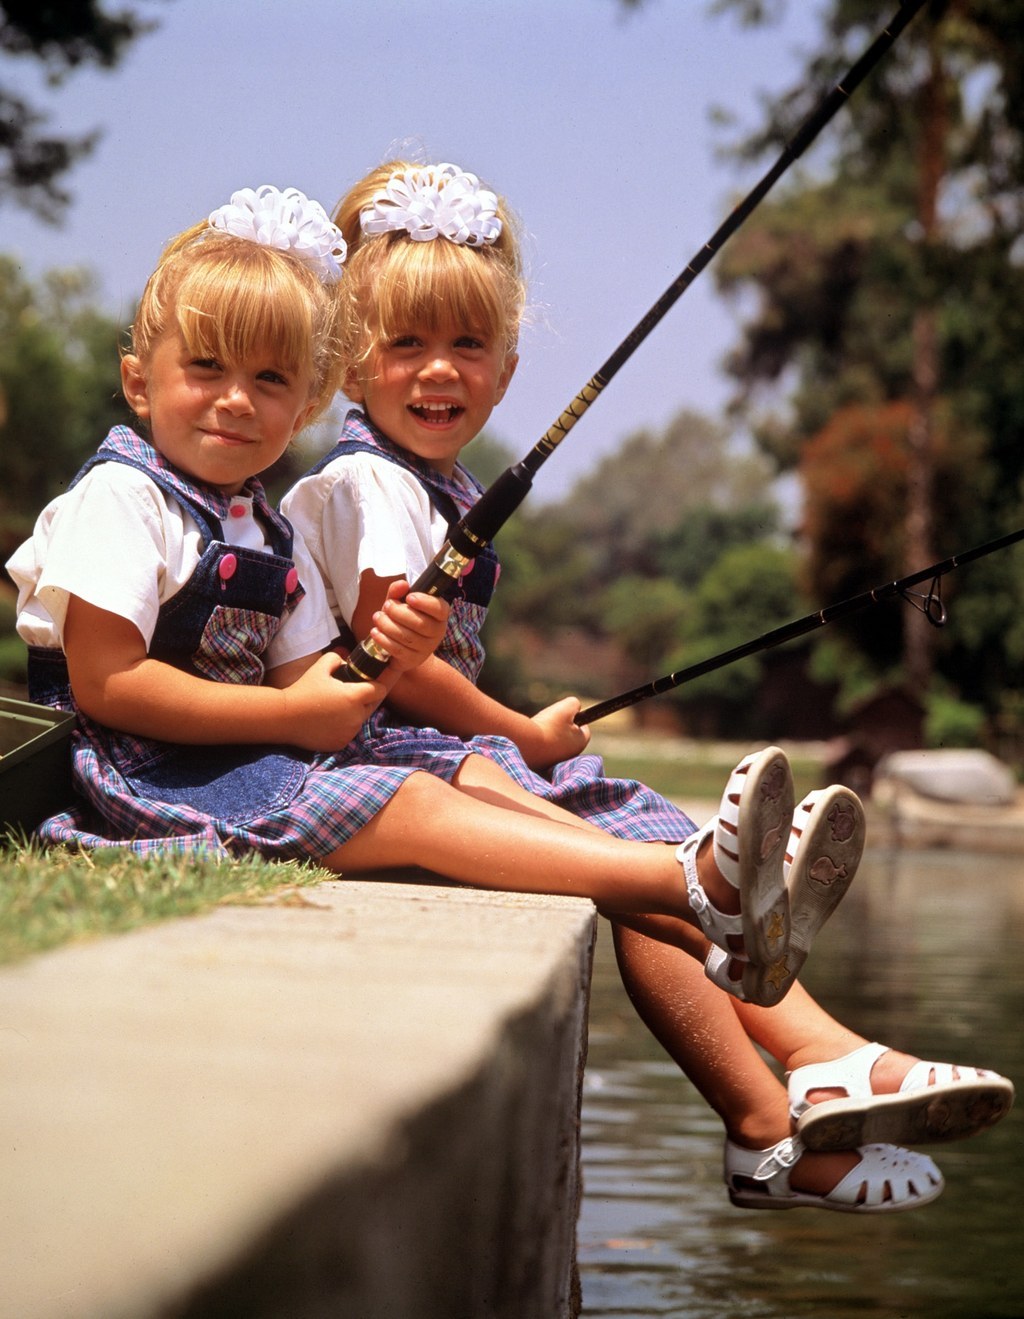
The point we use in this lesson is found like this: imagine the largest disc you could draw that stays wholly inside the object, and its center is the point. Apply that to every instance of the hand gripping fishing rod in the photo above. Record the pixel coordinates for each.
(496, 505)
(930, 605)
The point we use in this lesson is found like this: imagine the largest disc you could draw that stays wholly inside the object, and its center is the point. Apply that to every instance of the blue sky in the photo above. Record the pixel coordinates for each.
(593, 122)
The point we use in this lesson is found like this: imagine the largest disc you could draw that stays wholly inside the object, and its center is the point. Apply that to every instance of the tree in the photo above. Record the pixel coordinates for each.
(748, 590)
(638, 496)
(613, 571)
(63, 36)
(880, 276)
(60, 390)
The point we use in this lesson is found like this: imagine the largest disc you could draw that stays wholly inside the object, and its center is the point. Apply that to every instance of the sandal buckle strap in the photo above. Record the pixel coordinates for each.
(784, 1155)
(698, 899)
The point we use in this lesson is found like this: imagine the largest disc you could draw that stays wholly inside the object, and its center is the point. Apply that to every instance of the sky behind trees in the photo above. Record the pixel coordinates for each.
(593, 120)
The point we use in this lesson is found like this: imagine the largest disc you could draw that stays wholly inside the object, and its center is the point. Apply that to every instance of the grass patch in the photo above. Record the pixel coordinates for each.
(50, 897)
(699, 776)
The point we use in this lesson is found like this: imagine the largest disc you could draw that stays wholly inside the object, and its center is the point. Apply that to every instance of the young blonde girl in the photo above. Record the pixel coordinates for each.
(434, 293)
(166, 603)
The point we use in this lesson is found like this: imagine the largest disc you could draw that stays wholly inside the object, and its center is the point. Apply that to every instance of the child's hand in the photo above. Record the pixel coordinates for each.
(559, 738)
(324, 714)
(409, 626)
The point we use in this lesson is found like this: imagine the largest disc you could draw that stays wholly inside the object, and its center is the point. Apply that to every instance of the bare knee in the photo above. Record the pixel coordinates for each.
(392, 836)
(479, 772)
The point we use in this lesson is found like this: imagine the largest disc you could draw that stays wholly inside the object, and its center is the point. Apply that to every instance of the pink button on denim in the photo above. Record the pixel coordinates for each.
(291, 580)
(227, 568)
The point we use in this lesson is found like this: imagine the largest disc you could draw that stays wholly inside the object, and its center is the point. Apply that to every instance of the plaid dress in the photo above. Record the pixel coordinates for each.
(625, 808)
(151, 796)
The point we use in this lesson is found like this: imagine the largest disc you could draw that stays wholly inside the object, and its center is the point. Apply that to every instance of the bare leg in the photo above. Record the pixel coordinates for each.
(798, 1031)
(429, 823)
(490, 832)
(701, 1029)
(481, 778)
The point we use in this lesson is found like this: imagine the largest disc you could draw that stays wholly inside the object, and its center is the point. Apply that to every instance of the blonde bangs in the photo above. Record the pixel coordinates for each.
(395, 286)
(227, 314)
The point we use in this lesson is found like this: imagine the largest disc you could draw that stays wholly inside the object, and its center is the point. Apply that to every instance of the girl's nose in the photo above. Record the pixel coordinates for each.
(439, 368)
(235, 398)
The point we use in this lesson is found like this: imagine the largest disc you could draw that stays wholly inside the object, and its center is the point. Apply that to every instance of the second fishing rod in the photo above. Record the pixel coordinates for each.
(478, 527)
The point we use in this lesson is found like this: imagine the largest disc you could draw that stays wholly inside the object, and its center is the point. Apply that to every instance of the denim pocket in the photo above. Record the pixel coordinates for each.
(231, 783)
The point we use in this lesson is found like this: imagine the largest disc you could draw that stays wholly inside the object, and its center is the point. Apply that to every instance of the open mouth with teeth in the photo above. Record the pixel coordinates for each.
(436, 414)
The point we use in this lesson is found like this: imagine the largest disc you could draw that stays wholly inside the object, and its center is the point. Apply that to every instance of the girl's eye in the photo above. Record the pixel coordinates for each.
(274, 377)
(405, 341)
(206, 363)
(469, 341)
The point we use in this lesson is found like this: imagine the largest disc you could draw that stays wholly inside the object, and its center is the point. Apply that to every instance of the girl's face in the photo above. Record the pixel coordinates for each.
(221, 423)
(432, 391)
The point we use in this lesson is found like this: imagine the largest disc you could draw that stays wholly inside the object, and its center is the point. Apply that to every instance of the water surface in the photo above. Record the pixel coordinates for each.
(927, 954)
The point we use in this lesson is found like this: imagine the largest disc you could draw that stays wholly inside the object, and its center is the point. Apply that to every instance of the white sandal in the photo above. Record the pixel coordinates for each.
(754, 821)
(822, 857)
(886, 1180)
(936, 1102)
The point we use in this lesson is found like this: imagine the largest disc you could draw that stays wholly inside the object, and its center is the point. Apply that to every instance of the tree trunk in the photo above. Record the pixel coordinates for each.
(918, 638)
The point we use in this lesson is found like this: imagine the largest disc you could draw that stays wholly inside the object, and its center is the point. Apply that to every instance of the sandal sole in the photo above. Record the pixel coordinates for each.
(937, 1114)
(823, 866)
(800, 1200)
(764, 818)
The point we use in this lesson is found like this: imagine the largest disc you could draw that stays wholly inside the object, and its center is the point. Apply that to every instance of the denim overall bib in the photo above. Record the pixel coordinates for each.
(218, 626)
(461, 646)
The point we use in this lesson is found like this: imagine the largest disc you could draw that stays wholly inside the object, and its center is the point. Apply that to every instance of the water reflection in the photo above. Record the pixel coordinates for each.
(924, 954)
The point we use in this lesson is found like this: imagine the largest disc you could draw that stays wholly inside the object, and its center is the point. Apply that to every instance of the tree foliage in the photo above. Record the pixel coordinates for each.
(60, 389)
(636, 558)
(885, 290)
(62, 36)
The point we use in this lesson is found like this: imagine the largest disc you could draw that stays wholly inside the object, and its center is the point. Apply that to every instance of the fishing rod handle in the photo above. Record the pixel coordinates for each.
(367, 661)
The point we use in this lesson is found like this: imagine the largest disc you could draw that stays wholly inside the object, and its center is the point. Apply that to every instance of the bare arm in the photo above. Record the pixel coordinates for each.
(117, 683)
(437, 695)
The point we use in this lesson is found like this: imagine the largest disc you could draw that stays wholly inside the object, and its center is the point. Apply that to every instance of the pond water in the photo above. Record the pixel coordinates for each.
(926, 953)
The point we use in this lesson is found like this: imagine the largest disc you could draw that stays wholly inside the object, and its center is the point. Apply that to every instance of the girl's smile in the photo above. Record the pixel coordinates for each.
(431, 391)
(221, 423)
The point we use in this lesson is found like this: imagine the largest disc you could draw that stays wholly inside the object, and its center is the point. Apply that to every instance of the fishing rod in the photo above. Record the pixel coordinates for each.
(484, 520)
(930, 605)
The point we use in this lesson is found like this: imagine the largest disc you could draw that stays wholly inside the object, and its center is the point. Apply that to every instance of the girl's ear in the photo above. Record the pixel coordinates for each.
(505, 378)
(133, 382)
(303, 417)
(352, 386)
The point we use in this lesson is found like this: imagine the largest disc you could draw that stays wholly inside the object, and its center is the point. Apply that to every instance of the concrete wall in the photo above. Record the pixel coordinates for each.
(362, 1101)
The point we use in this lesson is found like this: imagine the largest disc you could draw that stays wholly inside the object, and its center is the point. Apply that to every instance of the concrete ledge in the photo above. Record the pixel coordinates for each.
(361, 1102)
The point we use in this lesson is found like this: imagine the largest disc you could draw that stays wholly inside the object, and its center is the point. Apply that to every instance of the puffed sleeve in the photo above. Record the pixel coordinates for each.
(363, 513)
(113, 542)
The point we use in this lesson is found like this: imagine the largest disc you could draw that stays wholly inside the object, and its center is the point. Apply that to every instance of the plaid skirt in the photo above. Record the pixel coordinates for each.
(285, 805)
(624, 808)
(315, 803)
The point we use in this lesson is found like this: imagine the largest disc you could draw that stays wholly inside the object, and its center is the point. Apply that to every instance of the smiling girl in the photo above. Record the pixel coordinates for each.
(170, 607)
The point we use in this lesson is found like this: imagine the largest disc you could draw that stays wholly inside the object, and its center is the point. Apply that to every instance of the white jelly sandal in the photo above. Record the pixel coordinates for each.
(822, 857)
(886, 1180)
(748, 839)
(935, 1102)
